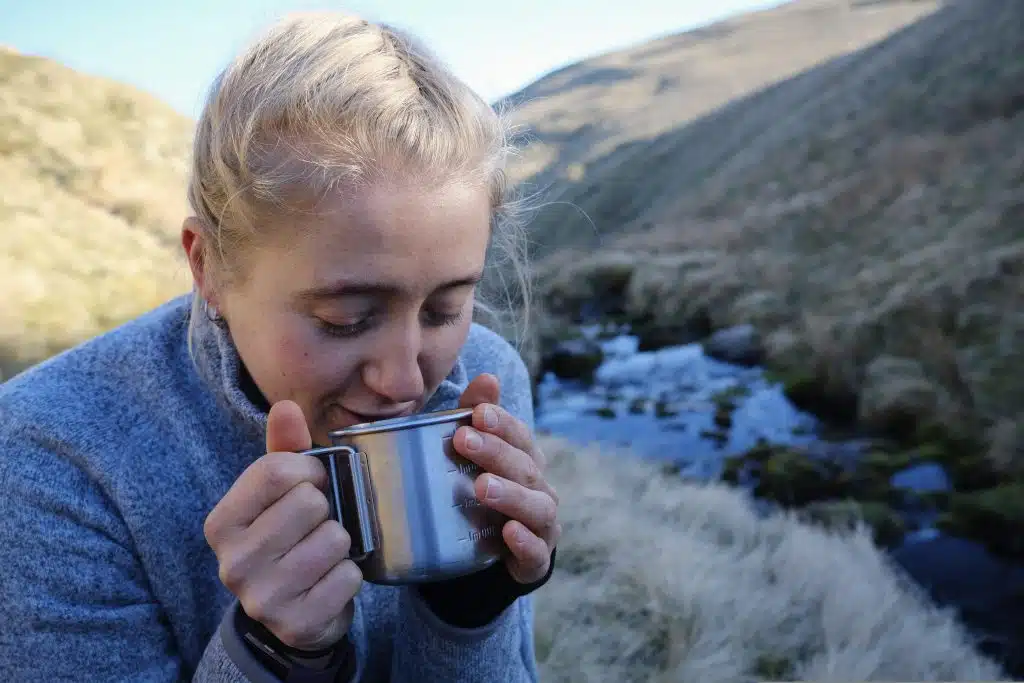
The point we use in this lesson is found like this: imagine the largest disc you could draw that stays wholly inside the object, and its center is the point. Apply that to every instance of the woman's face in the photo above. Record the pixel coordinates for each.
(358, 312)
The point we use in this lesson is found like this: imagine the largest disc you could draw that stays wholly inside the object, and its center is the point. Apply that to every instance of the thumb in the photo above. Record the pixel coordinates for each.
(286, 429)
(483, 389)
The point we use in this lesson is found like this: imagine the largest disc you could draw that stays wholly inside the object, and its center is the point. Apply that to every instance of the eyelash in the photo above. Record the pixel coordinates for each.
(355, 329)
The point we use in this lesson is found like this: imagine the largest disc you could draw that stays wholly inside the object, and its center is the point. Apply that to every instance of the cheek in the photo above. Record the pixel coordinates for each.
(298, 354)
(443, 348)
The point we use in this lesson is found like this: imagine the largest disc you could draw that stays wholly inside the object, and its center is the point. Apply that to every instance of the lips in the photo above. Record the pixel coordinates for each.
(374, 417)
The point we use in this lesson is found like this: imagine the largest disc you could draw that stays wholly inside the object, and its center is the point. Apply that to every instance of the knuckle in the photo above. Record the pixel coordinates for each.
(351, 574)
(211, 529)
(540, 456)
(317, 469)
(232, 573)
(313, 500)
(500, 447)
(264, 600)
(532, 477)
(550, 515)
(337, 538)
(276, 473)
(259, 610)
(553, 492)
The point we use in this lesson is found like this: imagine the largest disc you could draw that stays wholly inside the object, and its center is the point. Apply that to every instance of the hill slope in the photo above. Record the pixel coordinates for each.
(865, 215)
(586, 120)
(94, 192)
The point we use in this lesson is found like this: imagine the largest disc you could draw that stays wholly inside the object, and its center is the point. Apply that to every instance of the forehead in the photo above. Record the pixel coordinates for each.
(408, 235)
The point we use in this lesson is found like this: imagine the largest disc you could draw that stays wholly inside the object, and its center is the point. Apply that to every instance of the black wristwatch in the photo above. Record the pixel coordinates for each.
(336, 664)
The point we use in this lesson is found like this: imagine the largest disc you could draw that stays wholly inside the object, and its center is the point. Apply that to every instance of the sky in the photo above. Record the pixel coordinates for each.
(174, 48)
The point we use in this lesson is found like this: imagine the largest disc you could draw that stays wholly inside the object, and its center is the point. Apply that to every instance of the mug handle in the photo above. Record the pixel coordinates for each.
(348, 496)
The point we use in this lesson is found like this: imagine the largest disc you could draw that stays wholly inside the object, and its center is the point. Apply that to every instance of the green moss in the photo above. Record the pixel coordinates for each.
(792, 479)
(812, 393)
(887, 527)
(886, 464)
(993, 517)
(723, 417)
(728, 397)
(732, 468)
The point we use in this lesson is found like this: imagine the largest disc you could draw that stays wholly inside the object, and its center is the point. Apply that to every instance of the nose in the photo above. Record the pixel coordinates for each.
(393, 372)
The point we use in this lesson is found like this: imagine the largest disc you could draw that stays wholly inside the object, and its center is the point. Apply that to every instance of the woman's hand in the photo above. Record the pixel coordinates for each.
(513, 482)
(279, 551)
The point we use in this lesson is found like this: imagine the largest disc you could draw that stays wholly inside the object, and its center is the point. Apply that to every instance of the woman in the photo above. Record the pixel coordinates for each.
(158, 521)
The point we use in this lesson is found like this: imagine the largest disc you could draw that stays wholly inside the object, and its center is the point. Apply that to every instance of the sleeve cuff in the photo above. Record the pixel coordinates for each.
(427, 618)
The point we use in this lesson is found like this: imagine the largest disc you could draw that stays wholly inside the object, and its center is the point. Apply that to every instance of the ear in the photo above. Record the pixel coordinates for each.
(194, 244)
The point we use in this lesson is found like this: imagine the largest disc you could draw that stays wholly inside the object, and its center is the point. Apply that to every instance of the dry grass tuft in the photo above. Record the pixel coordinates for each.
(661, 580)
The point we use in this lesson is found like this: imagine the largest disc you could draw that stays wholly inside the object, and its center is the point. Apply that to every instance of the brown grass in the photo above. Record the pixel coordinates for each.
(601, 119)
(663, 580)
(93, 176)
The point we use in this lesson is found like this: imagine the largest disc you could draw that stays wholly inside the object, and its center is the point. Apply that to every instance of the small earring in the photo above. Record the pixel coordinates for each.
(211, 312)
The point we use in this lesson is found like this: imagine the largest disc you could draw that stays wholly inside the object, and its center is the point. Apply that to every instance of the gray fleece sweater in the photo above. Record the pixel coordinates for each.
(111, 456)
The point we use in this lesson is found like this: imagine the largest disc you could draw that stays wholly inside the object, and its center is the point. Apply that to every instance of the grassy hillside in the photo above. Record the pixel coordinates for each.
(588, 121)
(865, 215)
(94, 177)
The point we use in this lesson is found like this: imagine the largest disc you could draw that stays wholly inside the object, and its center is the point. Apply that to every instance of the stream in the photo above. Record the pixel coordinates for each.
(662, 405)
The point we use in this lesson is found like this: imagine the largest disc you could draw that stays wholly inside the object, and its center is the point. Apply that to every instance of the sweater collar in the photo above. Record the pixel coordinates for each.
(221, 368)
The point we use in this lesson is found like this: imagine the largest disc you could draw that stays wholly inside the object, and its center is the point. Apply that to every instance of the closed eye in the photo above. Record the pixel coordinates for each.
(439, 319)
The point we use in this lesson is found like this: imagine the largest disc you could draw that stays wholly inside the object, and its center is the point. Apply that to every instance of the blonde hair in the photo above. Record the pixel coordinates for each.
(323, 101)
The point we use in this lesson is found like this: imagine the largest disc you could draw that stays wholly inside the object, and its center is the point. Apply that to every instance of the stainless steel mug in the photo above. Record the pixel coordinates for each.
(406, 499)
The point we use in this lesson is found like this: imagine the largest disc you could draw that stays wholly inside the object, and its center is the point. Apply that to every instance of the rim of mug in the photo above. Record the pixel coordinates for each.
(405, 422)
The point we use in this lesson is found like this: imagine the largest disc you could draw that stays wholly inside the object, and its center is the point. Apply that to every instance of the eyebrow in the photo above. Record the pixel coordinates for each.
(362, 288)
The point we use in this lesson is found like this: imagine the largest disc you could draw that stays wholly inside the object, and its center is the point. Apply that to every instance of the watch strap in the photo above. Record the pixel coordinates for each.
(335, 664)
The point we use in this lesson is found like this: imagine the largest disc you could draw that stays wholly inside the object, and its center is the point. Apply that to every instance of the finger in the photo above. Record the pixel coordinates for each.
(289, 521)
(311, 559)
(250, 557)
(484, 388)
(287, 430)
(534, 509)
(531, 556)
(499, 457)
(493, 419)
(312, 622)
(261, 485)
(329, 598)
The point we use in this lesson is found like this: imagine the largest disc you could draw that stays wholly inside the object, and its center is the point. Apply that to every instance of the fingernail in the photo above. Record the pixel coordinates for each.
(493, 490)
(490, 417)
(473, 440)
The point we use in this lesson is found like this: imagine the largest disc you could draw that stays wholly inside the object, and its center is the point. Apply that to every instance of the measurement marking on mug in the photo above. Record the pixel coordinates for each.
(486, 532)
(467, 468)
(467, 503)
